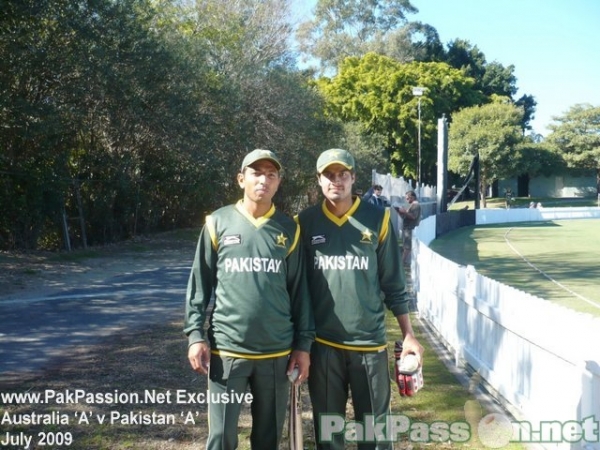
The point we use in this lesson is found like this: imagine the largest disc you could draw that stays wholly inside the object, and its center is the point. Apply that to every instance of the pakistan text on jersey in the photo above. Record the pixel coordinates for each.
(345, 262)
(252, 264)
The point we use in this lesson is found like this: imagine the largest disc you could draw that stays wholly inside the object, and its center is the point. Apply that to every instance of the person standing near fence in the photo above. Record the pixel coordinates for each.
(261, 326)
(509, 198)
(354, 272)
(374, 197)
(411, 217)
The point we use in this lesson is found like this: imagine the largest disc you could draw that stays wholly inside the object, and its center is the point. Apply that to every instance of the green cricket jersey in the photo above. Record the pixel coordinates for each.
(354, 271)
(256, 268)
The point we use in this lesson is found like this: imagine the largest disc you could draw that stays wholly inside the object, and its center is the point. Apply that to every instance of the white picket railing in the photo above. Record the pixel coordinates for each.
(396, 187)
(543, 360)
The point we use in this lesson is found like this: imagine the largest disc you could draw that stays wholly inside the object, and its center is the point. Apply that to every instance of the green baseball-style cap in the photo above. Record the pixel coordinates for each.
(257, 155)
(335, 156)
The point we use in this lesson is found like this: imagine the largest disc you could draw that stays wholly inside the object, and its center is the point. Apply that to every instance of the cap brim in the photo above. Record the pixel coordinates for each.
(326, 165)
(276, 163)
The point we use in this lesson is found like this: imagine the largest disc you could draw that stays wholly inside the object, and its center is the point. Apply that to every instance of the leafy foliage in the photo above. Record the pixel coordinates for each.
(377, 91)
(539, 159)
(577, 136)
(491, 131)
(131, 116)
(343, 28)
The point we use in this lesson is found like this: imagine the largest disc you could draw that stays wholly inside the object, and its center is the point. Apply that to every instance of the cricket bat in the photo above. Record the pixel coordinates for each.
(295, 415)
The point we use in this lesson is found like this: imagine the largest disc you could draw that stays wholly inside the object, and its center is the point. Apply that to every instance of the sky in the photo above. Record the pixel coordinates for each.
(553, 44)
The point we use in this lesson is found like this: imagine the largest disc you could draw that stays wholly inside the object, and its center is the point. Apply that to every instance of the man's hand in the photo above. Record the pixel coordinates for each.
(411, 345)
(301, 360)
(400, 210)
(199, 357)
(408, 373)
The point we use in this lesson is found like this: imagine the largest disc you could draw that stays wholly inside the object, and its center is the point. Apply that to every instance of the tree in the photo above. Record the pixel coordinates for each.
(343, 28)
(266, 101)
(243, 36)
(462, 55)
(539, 159)
(377, 91)
(491, 78)
(576, 135)
(137, 112)
(493, 132)
(415, 41)
(368, 151)
(528, 103)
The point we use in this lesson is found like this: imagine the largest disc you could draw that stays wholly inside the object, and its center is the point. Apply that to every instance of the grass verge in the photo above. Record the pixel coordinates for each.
(523, 202)
(560, 262)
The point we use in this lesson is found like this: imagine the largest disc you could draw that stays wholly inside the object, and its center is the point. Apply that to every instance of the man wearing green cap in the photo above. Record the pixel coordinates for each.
(354, 272)
(261, 325)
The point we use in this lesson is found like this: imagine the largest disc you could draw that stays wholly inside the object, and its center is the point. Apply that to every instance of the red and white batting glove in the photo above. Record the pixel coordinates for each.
(408, 375)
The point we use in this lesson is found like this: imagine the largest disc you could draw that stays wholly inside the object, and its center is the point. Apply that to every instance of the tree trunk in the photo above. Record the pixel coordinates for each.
(483, 193)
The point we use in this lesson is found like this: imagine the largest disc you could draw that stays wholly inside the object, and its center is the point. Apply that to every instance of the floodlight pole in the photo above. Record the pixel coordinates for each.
(418, 92)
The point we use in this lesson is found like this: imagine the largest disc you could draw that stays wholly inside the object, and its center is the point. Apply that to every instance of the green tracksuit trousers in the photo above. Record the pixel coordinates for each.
(269, 386)
(337, 373)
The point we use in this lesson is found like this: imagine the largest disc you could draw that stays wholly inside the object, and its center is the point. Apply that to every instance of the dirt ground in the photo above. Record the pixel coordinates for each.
(27, 274)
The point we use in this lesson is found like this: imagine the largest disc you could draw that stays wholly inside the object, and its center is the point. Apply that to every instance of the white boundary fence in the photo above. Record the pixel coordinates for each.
(541, 359)
(396, 188)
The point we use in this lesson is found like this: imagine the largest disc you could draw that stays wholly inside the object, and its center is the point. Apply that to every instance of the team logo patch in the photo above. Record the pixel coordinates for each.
(281, 240)
(318, 239)
(235, 239)
(367, 237)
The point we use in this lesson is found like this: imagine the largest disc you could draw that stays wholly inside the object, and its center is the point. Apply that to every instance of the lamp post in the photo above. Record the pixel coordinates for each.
(418, 92)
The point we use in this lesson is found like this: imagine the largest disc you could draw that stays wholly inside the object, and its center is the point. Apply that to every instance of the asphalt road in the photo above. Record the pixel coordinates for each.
(34, 331)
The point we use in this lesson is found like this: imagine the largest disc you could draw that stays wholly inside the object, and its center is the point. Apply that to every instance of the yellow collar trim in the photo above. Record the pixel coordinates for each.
(339, 221)
(257, 222)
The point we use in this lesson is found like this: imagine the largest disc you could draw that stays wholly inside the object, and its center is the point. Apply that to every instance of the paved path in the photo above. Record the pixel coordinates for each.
(33, 330)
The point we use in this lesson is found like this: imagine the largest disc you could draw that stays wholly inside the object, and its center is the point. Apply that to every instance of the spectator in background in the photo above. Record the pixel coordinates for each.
(509, 198)
(374, 197)
(411, 217)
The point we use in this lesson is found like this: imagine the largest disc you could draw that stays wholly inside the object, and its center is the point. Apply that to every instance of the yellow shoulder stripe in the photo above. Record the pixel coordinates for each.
(385, 226)
(210, 227)
(296, 239)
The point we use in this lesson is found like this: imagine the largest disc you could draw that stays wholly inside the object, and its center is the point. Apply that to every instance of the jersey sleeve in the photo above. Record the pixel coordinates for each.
(391, 274)
(301, 306)
(200, 284)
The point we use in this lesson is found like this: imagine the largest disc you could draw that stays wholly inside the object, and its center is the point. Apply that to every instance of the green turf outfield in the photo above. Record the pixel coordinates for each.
(567, 251)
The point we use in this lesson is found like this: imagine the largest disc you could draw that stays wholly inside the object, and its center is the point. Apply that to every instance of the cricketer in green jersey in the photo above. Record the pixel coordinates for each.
(354, 272)
(261, 326)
